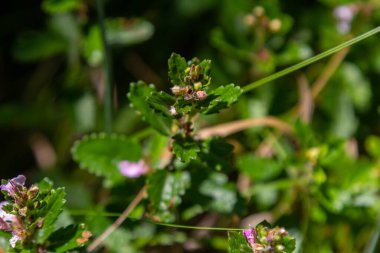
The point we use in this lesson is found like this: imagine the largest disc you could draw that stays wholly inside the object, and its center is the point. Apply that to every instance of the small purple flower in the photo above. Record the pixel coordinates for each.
(133, 169)
(344, 13)
(250, 235)
(14, 185)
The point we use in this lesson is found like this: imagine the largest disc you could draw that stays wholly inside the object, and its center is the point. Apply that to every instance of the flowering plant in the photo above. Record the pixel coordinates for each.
(29, 215)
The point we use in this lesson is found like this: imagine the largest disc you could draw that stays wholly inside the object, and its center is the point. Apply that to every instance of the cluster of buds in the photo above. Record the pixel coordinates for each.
(195, 81)
(272, 240)
(15, 210)
(258, 19)
(190, 93)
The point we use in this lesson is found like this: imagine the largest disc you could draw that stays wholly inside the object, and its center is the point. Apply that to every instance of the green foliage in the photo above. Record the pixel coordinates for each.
(52, 206)
(186, 149)
(221, 98)
(139, 92)
(177, 67)
(56, 6)
(165, 189)
(259, 169)
(101, 153)
(222, 193)
(34, 46)
(237, 243)
(67, 238)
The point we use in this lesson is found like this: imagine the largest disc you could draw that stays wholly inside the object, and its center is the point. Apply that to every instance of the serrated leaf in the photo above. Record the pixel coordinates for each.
(101, 153)
(237, 243)
(161, 101)
(259, 168)
(186, 149)
(121, 31)
(164, 192)
(177, 66)
(56, 6)
(221, 98)
(45, 185)
(33, 46)
(138, 94)
(67, 238)
(53, 204)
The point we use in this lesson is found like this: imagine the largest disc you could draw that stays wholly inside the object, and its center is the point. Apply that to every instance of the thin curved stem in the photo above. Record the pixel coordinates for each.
(309, 61)
(140, 196)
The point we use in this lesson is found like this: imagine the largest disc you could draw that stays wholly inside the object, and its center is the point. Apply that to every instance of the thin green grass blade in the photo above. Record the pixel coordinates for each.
(309, 61)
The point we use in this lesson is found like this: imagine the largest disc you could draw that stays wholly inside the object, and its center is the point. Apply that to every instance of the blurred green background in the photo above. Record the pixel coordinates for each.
(322, 183)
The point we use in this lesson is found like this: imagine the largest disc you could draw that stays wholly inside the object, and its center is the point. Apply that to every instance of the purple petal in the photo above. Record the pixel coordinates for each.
(133, 169)
(344, 13)
(20, 180)
(249, 234)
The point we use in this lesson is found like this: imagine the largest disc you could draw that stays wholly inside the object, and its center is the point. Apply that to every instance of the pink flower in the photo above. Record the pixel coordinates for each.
(10, 223)
(133, 169)
(250, 235)
(14, 185)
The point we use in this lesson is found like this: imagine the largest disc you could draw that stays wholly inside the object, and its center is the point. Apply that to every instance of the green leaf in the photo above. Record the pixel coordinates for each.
(237, 243)
(67, 238)
(33, 46)
(216, 153)
(55, 6)
(161, 102)
(222, 193)
(52, 207)
(372, 145)
(138, 94)
(93, 47)
(177, 67)
(121, 31)
(221, 98)
(45, 186)
(164, 192)
(258, 168)
(101, 153)
(186, 149)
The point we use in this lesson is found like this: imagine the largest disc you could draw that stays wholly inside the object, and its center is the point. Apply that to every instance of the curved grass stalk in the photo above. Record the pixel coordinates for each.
(309, 61)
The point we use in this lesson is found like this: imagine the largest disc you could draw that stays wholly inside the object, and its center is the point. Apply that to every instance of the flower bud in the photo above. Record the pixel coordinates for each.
(33, 192)
(197, 85)
(249, 20)
(23, 211)
(259, 11)
(201, 95)
(173, 111)
(176, 90)
(275, 25)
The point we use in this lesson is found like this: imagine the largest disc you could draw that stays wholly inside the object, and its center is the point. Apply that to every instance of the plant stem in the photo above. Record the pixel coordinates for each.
(140, 196)
(107, 69)
(309, 61)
